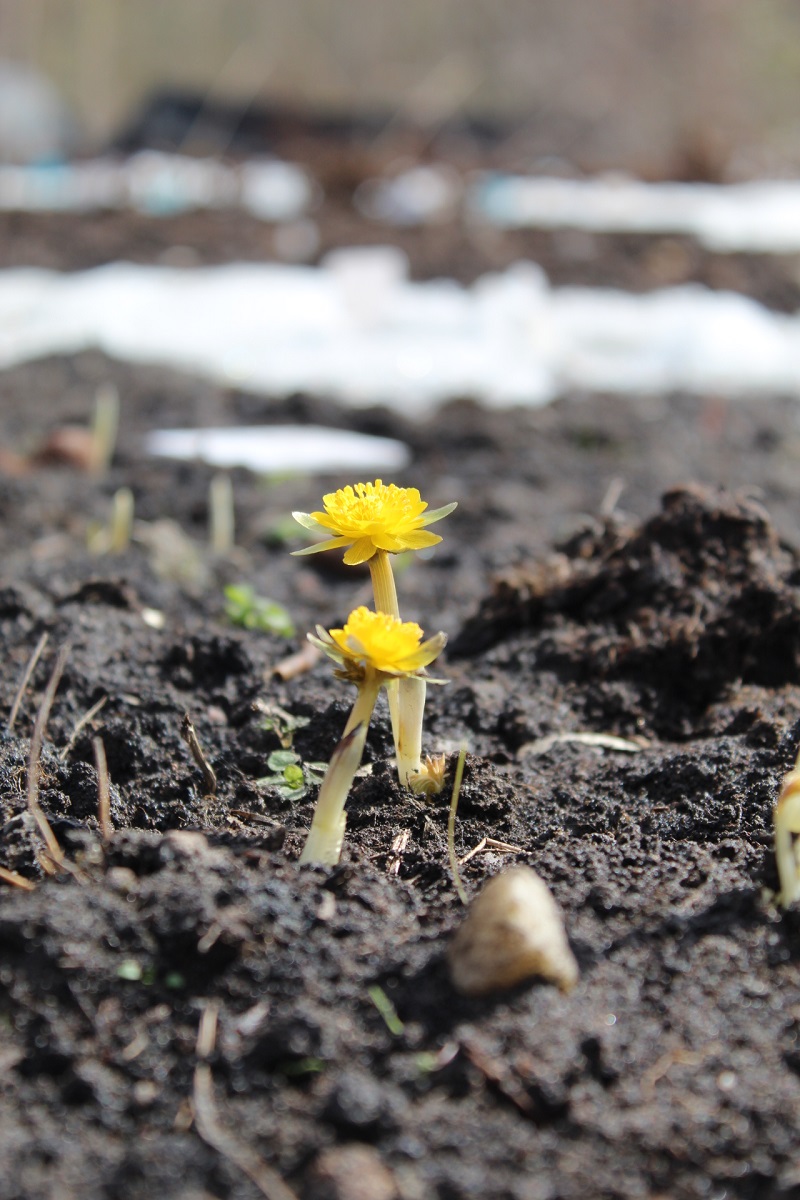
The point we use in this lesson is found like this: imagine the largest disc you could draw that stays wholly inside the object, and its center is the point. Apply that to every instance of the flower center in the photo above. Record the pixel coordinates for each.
(373, 508)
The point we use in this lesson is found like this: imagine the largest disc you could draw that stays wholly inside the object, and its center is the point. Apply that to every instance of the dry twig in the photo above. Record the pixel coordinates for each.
(19, 881)
(26, 676)
(604, 741)
(55, 854)
(214, 1133)
(398, 849)
(103, 790)
(206, 770)
(497, 1073)
(297, 664)
(488, 843)
(88, 716)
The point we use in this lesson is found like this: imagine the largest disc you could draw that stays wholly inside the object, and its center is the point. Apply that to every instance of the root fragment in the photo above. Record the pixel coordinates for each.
(26, 678)
(53, 852)
(189, 735)
(214, 1133)
(16, 880)
(103, 790)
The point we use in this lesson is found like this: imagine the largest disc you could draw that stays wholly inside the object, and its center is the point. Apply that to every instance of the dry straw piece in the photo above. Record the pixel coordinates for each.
(513, 931)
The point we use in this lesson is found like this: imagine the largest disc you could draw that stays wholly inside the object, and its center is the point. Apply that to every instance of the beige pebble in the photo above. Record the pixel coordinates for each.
(145, 1093)
(513, 931)
(122, 879)
(350, 1172)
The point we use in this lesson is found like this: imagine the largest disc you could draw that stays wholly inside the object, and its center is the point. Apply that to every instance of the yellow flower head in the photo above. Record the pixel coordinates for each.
(370, 517)
(375, 641)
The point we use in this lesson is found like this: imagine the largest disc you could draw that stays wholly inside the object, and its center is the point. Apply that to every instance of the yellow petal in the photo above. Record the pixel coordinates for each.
(360, 551)
(322, 520)
(386, 541)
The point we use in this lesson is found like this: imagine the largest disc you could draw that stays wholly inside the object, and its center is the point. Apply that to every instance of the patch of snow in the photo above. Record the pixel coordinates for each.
(269, 448)
(760, 216)
(362, 332)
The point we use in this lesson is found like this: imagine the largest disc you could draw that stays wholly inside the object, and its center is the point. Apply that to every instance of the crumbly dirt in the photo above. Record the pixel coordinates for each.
(616, 567)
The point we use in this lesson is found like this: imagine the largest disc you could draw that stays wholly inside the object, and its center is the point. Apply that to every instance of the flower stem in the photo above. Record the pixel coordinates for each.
(385, 592)
(383, 587)
(408, 737)
(406, 697)
(325, 837)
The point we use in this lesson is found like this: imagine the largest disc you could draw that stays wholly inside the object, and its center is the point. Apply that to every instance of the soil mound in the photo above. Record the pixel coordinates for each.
(702, 594)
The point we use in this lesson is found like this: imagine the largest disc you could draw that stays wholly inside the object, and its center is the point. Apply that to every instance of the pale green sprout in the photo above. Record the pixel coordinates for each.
(221, 515)
(115, 536)
(451, 826)
(372, 521)
(105, 424)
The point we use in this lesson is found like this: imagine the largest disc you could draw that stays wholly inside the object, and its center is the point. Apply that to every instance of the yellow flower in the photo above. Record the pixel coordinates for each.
(377, 642)
(371, 517)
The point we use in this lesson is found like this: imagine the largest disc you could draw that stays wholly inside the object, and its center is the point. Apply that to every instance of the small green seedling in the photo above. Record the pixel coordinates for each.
(132, 971)
(105, 424)
(221, 515)
(298, 1068)
(115, 536)
(291, 777)
(387, 1010)
(243, 607)
(280, 722)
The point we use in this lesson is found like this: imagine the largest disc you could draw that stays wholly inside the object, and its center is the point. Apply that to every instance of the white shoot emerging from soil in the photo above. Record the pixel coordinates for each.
(786, 816)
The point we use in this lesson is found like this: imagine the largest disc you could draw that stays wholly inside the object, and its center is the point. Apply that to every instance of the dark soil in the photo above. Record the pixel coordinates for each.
(577, 600)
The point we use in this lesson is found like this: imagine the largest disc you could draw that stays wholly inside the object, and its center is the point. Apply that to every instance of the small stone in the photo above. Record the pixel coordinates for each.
(188, 842)
(350, 1172)
(362, 1106)
(513, 931)
(145, 1093)
(122, 879)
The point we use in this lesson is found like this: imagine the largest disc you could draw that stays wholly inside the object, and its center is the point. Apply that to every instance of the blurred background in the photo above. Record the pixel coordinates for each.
(444, 198)
(664, 86)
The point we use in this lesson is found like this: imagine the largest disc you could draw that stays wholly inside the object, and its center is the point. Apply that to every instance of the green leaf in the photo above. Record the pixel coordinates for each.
(243, 607)
(294, 777)
(279, 760)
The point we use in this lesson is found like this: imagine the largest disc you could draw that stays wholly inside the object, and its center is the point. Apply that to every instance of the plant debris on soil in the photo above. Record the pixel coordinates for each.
(184, 1012)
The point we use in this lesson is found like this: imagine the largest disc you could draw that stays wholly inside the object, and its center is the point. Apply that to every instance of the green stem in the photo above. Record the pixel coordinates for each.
(325, 837)
(383, 587)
